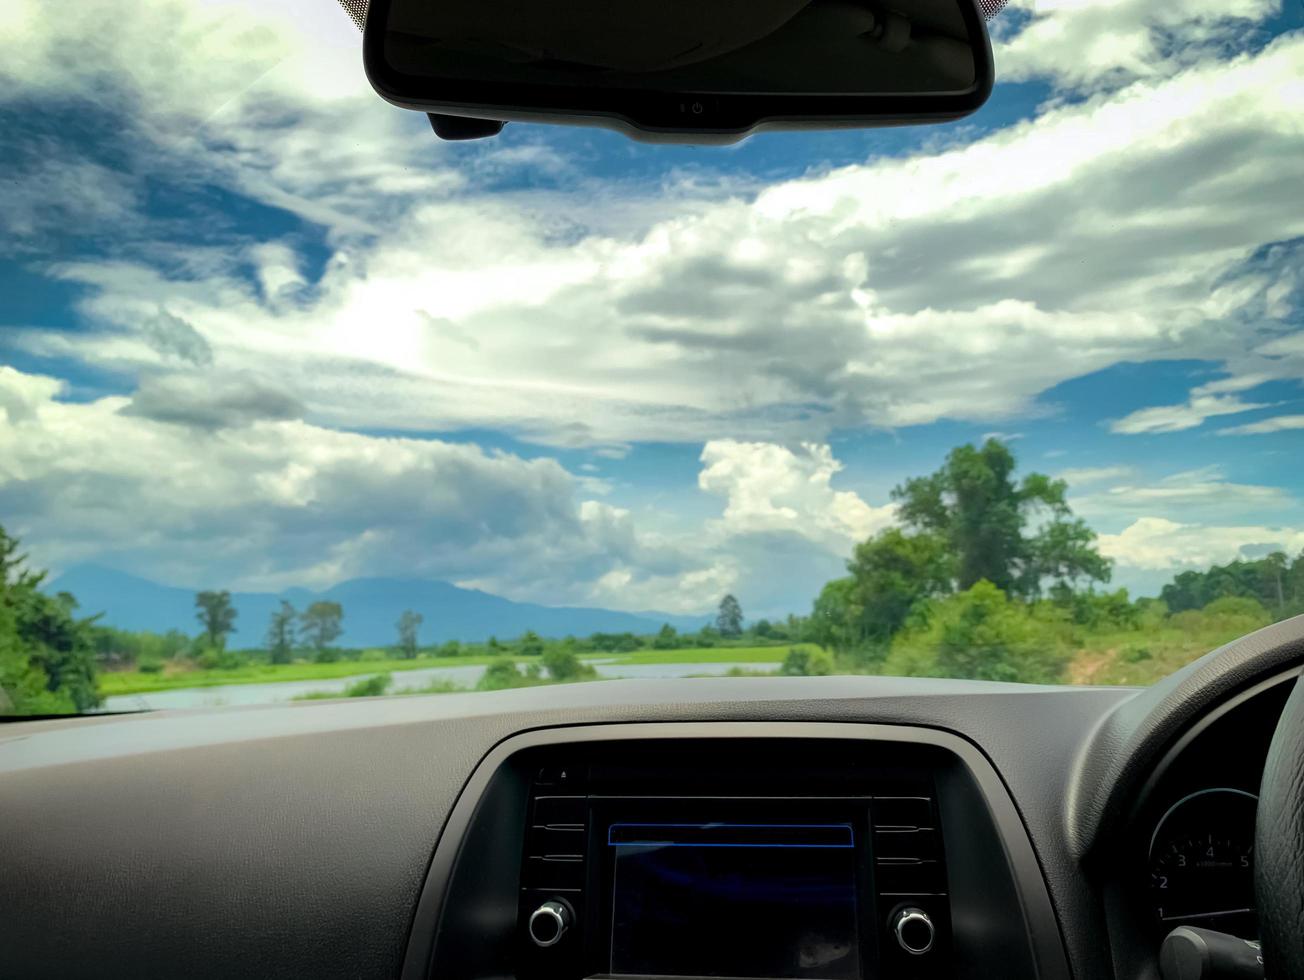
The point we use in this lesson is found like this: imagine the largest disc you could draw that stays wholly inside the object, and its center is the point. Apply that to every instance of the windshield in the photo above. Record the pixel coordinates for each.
(297, 401)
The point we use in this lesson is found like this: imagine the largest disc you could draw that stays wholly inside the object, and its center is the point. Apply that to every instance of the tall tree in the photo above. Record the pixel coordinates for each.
(320, 624)
(1272, 575)
(975, 505)
(216, 615)
(47, 657)
(1295, 580)
(729, 620)
(408, 625)
(280, 633)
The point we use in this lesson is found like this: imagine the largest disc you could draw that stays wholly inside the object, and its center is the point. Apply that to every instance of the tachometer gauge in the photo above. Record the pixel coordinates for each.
(1202, 862)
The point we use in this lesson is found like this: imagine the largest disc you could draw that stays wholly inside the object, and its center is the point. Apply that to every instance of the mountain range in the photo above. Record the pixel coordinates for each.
(372, 606)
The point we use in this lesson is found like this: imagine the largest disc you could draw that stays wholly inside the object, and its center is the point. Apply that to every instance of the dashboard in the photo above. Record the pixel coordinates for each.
(784, 850)
(774, 828)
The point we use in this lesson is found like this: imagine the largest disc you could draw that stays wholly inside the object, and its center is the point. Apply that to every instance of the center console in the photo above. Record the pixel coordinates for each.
(736, 851)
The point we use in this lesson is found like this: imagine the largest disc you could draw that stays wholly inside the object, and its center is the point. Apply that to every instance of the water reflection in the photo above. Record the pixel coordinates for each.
(403, 680)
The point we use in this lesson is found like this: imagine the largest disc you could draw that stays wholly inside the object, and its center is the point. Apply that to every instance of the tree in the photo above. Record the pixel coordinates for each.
(614, 642)
(408, 625)
(319, 625)
(835, 620)
(280, 633)
(216, 615)
(1273, 581)
(531, 644)
(1272, 576)
(975, 506)
(1295, 580)
(729, 620)
(891, 574)
(47, 657)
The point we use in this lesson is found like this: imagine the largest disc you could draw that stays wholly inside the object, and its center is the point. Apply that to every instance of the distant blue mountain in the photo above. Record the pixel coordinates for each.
(371, 608)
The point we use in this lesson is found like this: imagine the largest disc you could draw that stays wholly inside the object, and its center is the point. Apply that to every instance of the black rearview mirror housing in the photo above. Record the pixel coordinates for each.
(695, 71)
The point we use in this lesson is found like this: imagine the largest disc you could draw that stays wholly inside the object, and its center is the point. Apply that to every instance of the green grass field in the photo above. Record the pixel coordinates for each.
(135, 682)
(1142, 658)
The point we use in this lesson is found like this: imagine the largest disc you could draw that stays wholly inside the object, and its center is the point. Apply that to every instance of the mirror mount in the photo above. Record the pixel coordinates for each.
(463, 127)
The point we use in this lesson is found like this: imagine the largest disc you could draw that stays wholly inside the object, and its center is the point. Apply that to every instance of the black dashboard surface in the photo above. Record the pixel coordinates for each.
(294, 840)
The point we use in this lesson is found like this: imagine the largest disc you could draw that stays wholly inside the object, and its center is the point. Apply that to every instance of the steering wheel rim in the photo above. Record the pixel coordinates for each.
(1279, 846)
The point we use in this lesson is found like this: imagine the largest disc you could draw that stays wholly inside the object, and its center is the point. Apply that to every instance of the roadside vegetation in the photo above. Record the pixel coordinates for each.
(987, 575)
(992, 577)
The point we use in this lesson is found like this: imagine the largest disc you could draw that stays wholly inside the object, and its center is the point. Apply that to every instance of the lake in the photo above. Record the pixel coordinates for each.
(403, 680)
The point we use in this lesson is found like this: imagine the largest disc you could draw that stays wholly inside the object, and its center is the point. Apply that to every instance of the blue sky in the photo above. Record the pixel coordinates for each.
(259, 329)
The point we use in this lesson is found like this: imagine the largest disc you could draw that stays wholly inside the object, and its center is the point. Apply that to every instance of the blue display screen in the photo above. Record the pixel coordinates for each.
(734, 900)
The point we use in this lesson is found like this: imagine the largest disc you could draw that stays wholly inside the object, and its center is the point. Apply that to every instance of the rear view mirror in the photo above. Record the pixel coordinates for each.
(705, 71)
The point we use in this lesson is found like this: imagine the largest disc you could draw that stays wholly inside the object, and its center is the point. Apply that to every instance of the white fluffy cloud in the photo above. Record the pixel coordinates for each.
(961, 282)
(1093, 43)
(268, 502)
(1161, 544)
(769, 488)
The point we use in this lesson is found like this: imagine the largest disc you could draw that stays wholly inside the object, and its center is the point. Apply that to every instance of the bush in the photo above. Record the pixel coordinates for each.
(667, 638)
(368, 688)
(150, 666)
(451, 649)
(1135, 654)
(500, 674)
(215, 658)
(562, 665)
(1098, 610)
(801, 662)
(1188, 621)
(980, 634)
(1236, 611)
(615, 642)
(375, 653)
(326, 655)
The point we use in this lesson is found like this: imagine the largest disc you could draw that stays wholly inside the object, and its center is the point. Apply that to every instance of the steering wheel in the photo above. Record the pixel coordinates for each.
(1279, 846)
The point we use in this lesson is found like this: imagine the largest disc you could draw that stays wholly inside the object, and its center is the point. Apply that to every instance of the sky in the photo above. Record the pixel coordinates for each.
(260, 329)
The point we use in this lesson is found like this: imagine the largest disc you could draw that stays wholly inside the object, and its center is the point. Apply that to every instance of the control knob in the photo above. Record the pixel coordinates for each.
(549, 922)
(914, 931)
